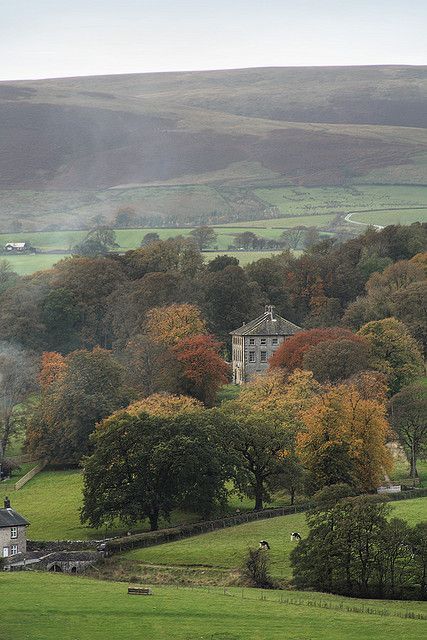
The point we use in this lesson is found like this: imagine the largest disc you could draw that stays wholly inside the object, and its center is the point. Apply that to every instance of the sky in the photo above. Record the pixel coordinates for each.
(56, 38)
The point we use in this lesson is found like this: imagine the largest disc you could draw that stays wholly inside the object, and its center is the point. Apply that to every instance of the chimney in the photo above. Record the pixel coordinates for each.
(269, 308)
(6, 503)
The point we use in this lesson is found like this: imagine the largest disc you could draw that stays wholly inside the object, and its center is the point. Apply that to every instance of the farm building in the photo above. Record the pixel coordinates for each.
(13, 537)
(16, 247)
(255, 342)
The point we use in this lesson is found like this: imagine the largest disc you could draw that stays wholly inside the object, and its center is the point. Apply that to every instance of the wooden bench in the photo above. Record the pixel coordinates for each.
(140, 591)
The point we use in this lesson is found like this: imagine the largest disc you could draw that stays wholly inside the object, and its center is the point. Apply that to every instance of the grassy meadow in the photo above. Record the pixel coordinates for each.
(225, 548)
(303, 201)
(87, 609)
(51, 501)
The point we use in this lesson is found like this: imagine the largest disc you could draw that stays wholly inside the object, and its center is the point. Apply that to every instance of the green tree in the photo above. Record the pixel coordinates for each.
(204, 237)
(98, 242)
(145, 466)
(149, 238)
(89, 388)
(394, 352)
(408, 412)
(18, 378)
(335, 360)
(245, 240)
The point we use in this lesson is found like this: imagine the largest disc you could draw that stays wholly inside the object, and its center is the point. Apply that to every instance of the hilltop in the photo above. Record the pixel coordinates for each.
(75, 138)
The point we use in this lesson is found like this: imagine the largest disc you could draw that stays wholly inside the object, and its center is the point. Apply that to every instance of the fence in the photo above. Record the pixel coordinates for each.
(151, 538)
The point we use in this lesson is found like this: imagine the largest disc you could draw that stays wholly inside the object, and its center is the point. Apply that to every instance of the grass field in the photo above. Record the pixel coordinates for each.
(26, 265)
(303, 201)
(384, 218)
(226, 548)
(43, 606)
(52, 500)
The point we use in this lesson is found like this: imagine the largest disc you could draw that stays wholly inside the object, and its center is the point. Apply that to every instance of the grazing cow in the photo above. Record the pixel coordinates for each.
(263, 544)
(295, 536)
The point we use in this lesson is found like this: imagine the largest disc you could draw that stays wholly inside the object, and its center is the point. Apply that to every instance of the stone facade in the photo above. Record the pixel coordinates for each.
(13, 538)
(255, 342)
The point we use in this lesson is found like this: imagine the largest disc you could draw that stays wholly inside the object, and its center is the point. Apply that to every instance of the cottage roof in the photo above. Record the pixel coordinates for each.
(16, 245)
(11, 518)
(268, 324)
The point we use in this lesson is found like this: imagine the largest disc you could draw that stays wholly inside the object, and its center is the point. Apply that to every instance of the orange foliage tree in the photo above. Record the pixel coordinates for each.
(165, 405)
(291, 352)
(171, 324)
(344, 439)
(52, 367)
(204, 370)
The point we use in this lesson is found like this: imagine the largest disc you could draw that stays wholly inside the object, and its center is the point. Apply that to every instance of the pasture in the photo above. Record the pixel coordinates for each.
(225, 548)
(87, 609)
(303, 201)
(51, 501)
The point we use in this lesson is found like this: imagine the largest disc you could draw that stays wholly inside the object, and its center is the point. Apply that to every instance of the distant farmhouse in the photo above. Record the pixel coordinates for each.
(17, 247)
(255, 342)
(13, 537)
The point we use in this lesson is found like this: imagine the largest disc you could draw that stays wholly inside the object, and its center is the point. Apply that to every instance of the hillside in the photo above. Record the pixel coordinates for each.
(204, 139)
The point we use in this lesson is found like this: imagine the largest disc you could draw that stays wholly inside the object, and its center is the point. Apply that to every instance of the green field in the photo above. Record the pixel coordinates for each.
(43, 606)
(52, 500)
(303, 201)
(384, 218)
(225, 548)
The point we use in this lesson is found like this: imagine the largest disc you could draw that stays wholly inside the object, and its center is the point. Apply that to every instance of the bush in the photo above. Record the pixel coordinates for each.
(256, 568)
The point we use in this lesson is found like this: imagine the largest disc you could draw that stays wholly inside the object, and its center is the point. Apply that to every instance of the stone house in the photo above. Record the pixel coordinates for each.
(255, 342)
(13, 537)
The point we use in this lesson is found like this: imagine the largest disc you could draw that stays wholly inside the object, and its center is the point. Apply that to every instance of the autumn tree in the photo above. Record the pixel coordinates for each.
(18, 372)
(52, 367)
(393, 351)
(89, 388)
(8, 277)
(291, 352)
(144, 466)
(263, 425)
(171, 324)
(165, 405)
(344, 439)
(293, 238)
(204, 237)
(408, 411)
(204, 371)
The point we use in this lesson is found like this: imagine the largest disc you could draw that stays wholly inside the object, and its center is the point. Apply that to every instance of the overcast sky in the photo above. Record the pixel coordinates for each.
(50, 38)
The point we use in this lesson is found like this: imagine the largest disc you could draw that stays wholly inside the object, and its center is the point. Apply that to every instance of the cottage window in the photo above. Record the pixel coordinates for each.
(5, 552)
(251, 356)
(263, 356)
(14, 532)
(252, 341)
(14, 550)
(263, 340)
(274, 340)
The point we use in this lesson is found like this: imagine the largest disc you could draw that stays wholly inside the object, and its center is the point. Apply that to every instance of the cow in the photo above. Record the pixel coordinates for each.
(295, 536)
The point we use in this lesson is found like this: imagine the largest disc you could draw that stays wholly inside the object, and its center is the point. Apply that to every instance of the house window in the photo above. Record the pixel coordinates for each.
(274, 340)
(5, 552)
(263, 341)
(251, 356)
(14, 550)
(263, 356)
(14, 532)
(252, 341)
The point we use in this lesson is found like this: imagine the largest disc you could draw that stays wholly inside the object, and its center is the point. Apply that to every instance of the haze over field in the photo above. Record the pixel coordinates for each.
(86, 141)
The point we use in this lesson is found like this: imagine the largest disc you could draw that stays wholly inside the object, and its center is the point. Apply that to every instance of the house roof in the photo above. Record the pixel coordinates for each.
(16, 245)
(269, 324)
(11, 518)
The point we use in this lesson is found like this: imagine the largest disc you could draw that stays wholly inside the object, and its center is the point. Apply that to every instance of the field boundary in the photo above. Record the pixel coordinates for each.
(30, 475)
